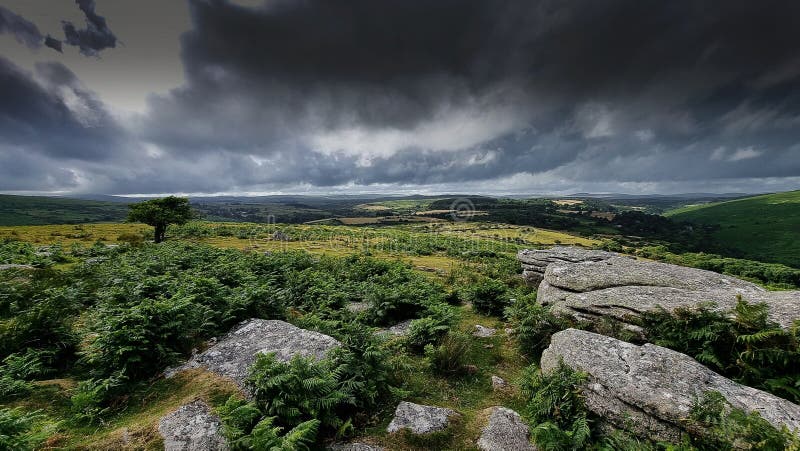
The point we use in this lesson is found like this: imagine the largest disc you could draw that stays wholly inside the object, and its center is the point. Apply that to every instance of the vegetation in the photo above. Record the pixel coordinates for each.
(32, 210)
(746, 348)
(759, 228)
(85, 335)
(159, 213)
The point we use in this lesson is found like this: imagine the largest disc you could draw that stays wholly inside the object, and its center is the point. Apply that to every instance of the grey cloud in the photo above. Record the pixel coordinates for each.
(95, 37)
(23, 30)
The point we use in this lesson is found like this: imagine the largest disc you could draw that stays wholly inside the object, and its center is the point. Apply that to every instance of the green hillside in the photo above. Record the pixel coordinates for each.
(33, 210)
(763, 228)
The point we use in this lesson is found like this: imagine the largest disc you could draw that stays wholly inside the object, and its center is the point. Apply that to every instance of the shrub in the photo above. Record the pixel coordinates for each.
(728, 428)
(556, 406)
(92, 398)
(19, 430)
(431, 329)
(534, 324)
(298, 391)
(745, 347)
(246, 428)
(488, 296)
(450, 356)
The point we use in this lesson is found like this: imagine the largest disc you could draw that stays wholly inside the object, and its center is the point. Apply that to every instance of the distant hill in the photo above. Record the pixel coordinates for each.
(36, 210)
(763, 227)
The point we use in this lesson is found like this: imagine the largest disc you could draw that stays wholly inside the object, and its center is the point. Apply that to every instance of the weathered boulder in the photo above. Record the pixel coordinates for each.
(354, 447)
(504, 431)
(357, 307)
(192, 428)
(420, 419)
(650, 389)
(535, 261)
(483, 332)
(233, 354)
(621, 287)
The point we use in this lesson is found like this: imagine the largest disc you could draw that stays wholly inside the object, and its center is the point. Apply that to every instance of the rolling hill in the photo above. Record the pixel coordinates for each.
(765, 227)
(37, 210)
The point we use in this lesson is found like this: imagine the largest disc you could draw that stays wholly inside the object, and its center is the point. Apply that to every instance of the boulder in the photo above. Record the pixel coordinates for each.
(483, 332)
(650, 390)
(192, 428)
(400, 329)
(504, 431)
(232, 354)
(420, 419)
(357, 307)
(621, 288)
(535, 261)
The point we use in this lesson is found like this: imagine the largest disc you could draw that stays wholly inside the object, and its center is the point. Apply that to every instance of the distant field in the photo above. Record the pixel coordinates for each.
(28, 210)
(763, 228)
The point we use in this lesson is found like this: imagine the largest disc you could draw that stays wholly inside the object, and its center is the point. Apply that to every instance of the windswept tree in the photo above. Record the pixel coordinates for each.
(159, 213)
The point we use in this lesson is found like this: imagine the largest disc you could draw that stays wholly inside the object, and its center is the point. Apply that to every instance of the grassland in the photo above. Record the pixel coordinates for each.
(22, 210)
(762, 228)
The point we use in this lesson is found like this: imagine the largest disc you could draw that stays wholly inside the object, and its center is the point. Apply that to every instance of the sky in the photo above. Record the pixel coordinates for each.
(399, 96)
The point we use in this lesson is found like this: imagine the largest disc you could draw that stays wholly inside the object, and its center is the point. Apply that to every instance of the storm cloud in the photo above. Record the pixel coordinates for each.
(508, 96)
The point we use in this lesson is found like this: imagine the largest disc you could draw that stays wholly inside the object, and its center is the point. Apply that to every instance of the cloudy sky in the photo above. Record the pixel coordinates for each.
(316, 96)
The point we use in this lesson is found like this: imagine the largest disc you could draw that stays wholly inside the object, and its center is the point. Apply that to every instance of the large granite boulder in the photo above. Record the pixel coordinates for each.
(234, 353)
(649, 389)
(192, 428)
(420, 419)
(622, 288)
(505, 431)
(535, 261)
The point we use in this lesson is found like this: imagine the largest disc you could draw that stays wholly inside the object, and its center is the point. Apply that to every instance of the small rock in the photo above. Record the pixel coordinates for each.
(357, 307)
(505, 431)
(498, 382)
(489, 346)
(420, 419)
(400, 328)
(280, 236)
(509, 331)
(15, 266)
(483, 332)
(192, 428)
(354, 447)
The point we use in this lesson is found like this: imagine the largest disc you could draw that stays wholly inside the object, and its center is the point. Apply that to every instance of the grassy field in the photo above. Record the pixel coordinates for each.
(763, 228)
(20, 210)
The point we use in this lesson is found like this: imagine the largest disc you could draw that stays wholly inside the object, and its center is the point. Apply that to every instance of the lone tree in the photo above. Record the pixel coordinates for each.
(159, 213)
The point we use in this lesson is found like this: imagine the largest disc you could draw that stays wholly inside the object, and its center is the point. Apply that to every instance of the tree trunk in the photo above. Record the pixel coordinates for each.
(160, 231)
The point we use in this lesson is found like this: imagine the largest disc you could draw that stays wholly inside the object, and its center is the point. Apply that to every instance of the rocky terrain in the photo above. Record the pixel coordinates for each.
(589, 284)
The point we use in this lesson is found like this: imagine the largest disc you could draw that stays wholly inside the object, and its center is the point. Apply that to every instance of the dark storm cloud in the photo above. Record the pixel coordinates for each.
(52, 114)
(23, 30)
(451, 93)
(95, 37)
(688, 90)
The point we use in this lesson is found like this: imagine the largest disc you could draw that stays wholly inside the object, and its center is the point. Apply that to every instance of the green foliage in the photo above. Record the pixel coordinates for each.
(449, 357)
(93, 397)
(556, 406)
(430, 329)
(760, 227)
(19, 368)
(161, 212)
(534, 324)
(746, 348)
(726, 428)
(247, 428)
(771, 274)
(489, 296)
(300, 390)
(19, 430)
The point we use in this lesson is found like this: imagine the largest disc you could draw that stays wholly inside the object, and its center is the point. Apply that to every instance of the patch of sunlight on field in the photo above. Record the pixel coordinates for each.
(528, 234)
(67, 234)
